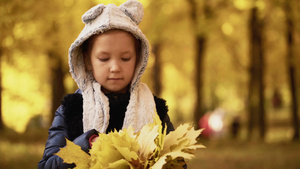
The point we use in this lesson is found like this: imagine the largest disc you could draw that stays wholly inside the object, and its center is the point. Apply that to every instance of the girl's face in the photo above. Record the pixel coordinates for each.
(112, 60)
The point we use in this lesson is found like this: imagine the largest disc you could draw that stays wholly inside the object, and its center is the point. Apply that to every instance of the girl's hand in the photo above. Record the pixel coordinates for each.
(92, 139)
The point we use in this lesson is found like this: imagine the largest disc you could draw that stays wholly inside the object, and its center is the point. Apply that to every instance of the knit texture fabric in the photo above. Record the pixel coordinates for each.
(141, 108)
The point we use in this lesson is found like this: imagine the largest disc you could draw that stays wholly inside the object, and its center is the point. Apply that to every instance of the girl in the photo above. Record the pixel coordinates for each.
(106, 61)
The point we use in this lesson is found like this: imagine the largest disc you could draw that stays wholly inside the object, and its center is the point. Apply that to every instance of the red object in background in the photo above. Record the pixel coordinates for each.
(203, 123)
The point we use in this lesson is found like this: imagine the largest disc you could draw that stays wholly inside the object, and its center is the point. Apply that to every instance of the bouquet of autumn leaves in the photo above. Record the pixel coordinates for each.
(150, 148)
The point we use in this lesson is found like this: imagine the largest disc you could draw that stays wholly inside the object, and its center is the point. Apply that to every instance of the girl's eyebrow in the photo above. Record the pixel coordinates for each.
(127, 52)
(102, 53)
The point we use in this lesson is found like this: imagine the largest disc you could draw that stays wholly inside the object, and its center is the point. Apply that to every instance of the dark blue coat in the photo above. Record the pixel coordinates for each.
(67, 123)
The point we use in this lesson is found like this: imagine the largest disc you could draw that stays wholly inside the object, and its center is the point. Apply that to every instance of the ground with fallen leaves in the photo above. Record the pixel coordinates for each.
(229, 154)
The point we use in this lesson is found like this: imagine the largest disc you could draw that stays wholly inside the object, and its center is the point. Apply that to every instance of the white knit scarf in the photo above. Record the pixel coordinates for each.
(140, 109)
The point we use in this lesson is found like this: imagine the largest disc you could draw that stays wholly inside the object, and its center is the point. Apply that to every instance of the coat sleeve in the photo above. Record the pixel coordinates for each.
(162, 111)
(167, 122)
(58, 133)
(56, 139)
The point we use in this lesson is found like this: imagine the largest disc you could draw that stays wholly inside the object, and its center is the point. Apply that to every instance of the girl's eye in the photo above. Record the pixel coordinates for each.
(103, 59)
(126, 59)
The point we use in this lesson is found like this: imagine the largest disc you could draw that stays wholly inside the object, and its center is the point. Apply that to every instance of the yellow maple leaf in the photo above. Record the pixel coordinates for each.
(103, 152)
(171, 156)
(120, 164)
(179, 143)
(147, 135)
(146, 141)
(126, 145)
(159, 141)
(72, 153)
(184, 135)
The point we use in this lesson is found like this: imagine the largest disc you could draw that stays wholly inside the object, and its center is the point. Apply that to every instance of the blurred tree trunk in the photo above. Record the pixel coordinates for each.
(1, 120)
(256, 72)
(292, 67)
(200, 40)
(199, 108)
(57, 81)
(156, 49)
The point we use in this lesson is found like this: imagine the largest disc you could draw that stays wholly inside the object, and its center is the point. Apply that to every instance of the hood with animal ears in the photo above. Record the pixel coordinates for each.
(103, 18)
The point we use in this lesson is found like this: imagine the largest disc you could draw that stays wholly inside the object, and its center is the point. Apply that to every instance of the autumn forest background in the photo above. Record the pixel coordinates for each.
(236, 58)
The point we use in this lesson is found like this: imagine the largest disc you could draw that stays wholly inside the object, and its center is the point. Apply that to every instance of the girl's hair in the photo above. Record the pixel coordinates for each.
(87, 45)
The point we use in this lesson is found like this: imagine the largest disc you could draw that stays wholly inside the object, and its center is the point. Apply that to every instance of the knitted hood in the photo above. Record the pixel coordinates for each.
(141, 108)
(102, 18)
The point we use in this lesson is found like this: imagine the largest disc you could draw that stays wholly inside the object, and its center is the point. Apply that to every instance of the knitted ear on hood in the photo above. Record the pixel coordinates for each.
(134, 10)
(91, 14)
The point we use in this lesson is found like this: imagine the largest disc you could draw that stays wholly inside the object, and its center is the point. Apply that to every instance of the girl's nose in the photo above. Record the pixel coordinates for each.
(115, 66)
